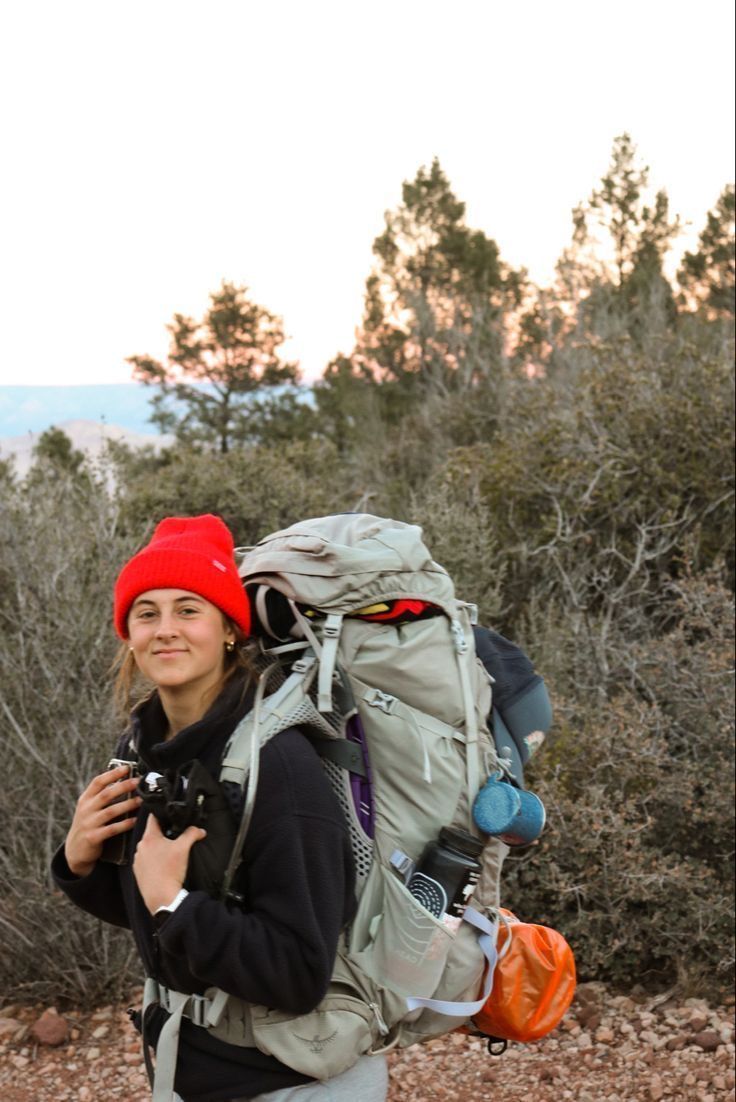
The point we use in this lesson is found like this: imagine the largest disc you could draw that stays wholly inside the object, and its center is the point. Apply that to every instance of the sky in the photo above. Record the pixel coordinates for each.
(152, 149)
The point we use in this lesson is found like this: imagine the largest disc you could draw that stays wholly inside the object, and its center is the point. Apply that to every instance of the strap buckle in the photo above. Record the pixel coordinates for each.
(197, 1009)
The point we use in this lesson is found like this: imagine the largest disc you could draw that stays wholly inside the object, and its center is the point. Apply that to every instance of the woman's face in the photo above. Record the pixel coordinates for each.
(178, 639)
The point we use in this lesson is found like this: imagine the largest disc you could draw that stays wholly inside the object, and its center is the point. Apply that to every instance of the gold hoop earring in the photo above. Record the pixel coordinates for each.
(229, 646)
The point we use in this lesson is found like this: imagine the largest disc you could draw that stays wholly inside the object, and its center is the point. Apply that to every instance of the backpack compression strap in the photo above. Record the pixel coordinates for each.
(488, 933)
(472, 746)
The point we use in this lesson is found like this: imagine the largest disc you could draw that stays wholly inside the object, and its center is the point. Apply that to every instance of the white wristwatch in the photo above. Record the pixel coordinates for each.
(162, 913)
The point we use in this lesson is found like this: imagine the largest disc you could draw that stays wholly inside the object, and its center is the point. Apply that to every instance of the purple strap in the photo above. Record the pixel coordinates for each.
(361, 787)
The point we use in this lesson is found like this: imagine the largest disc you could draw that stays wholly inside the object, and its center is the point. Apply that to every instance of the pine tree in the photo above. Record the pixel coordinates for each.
(707, 277)
(217, 370)
(435, 302)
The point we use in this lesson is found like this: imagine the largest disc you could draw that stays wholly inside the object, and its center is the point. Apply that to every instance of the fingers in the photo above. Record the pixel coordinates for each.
(152, 827)
(119, 788)
(191, 835)
(104, 780)
(98, 797)
(117, 809)
(184, 842)
(116, 828)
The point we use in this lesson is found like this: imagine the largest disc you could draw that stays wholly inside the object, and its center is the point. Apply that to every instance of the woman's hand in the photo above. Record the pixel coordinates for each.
(93, 823)
(160, 863)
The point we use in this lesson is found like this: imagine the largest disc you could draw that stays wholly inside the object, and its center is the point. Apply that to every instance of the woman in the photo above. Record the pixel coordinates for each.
(181, 610)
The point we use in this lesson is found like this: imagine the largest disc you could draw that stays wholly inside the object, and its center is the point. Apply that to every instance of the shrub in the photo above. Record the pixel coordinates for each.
(255, 490)
(59, 549)
(636, 864)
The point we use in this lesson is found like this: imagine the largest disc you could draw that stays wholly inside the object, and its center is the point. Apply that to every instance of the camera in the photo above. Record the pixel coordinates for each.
(115, 849)
(174, 800)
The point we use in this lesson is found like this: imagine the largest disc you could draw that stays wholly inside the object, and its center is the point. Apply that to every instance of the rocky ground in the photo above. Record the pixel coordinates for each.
(608, 1049)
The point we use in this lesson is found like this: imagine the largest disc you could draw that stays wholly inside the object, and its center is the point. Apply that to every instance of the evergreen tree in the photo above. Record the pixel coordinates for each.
(618, 281)
(217, 370)
(56, 449)
(435, 302)
(707, 277)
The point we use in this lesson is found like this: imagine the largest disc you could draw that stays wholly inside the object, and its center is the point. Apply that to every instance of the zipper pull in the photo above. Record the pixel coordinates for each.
(382, 1027)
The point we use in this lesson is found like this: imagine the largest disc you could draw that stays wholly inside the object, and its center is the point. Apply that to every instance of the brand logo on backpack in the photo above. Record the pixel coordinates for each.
(316, 1044)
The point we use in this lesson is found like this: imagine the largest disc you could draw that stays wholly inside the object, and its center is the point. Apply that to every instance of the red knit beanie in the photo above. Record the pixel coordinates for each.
(194, 553)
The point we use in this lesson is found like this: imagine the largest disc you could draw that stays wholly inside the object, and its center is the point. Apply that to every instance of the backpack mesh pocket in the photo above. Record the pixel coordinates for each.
(409, 946)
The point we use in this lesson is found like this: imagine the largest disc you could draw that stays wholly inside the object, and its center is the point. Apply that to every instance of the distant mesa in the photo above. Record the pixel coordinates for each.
(90, 437)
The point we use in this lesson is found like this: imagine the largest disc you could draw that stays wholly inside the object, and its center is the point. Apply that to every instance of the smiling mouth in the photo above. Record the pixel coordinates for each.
(165, 653)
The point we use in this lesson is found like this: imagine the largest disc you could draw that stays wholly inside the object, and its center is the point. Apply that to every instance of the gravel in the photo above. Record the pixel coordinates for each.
(609, 1048)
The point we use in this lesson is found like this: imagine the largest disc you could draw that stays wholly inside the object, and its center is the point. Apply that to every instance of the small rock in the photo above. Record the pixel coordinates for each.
(584, 1040)
(708, 1040)
(9, 1027)
(623, 1003)
(101, 1031)
(697, 1023)
(719, 1083)
(589, 1017)
(605, 1036)
(19, 1062)
(656, 1090)
(590, 993)
(676, 1043)
(92, 1054)
(84, 1094)
(50, 1029)
(648, 1037)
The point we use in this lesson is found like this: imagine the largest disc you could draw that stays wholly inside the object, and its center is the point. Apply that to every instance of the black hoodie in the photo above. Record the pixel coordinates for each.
(297, 879)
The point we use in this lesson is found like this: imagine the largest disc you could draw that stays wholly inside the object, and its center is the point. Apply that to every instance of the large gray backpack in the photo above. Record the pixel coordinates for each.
(398, 711)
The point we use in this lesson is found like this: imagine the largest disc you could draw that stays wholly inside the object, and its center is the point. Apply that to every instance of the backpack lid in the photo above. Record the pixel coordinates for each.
(341, 563)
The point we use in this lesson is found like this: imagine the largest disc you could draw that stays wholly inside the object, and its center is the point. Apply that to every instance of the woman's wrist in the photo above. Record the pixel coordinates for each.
(78, 868)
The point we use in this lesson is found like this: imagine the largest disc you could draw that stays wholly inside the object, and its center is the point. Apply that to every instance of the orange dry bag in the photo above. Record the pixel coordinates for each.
(533, 984)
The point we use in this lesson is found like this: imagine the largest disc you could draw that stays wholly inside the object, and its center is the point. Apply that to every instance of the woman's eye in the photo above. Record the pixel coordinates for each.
(189, 611)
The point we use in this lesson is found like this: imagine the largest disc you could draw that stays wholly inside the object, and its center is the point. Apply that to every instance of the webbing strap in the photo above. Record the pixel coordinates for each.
(203, 1011)
(250, 792)
(167, 1049)
(487, 941)
(471, 723)
(348, 755)
(326, 652)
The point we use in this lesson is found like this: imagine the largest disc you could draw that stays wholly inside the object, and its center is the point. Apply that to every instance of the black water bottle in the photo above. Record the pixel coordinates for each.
(446, 875)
